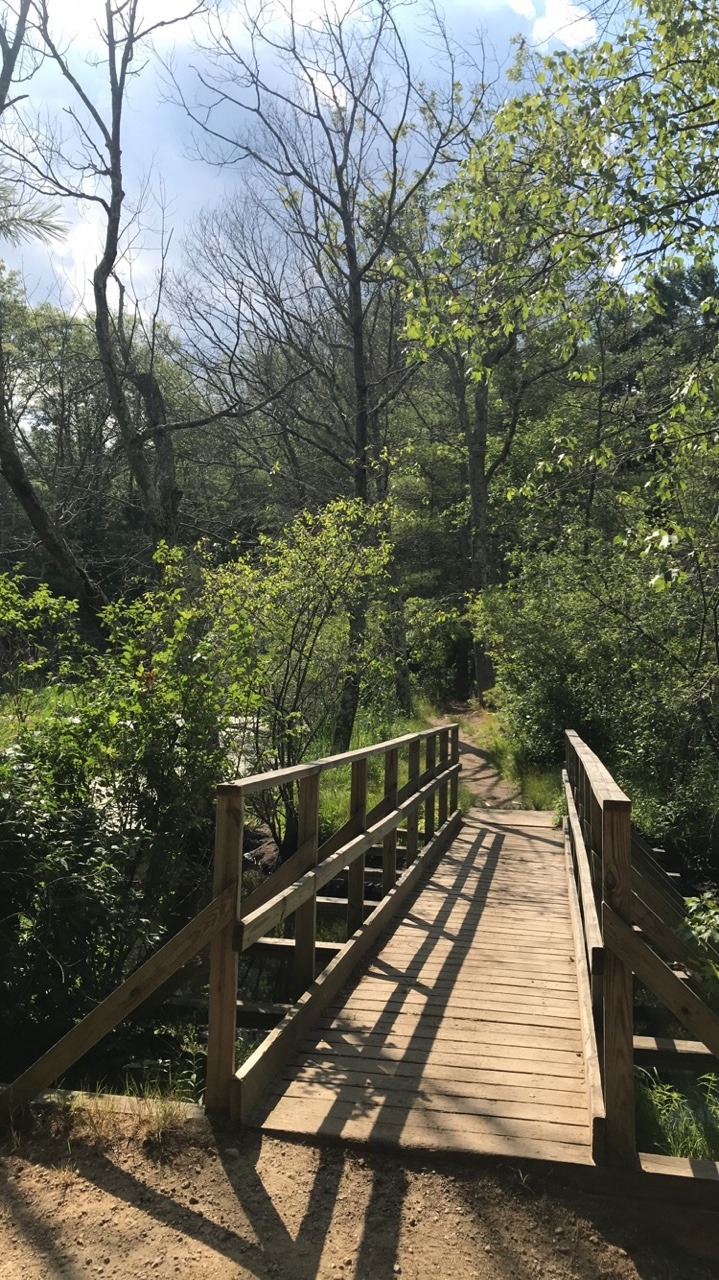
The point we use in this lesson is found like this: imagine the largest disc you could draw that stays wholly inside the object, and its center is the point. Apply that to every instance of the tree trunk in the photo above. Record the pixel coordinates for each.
(477, 432)
(90, 596)
(349, 696)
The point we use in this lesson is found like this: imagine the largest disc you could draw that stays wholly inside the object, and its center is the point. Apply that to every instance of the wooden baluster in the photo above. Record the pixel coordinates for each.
(430, 761)
(355, 874)
(618, 995)
(444, 789)
(303, 969)
(413, 819)
(222, 1013)
(454, 757)
(389, 844)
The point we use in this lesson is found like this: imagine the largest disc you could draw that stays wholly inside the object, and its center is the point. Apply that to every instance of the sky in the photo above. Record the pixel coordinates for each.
(157, 137)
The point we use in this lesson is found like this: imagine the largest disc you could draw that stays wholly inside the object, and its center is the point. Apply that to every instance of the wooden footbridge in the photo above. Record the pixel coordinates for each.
(483, 1003)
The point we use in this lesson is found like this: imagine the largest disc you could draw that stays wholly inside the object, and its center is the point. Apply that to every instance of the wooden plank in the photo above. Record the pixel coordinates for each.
(590, 920)
(517, 980)
(679, 1167)
(570, 1120)
(257, 1072)
(430, 761)
(356, 872)
(620, 1132)
(389, 844)
(661, 980)
(443, 1114)
(662, 935)
(458, 1134)
(277, 946)
(443, 795)
(303, 960)
(151, 975)
(260, 1014)
(667, 1044)
(468, 1096)
(294, 773)
(595, 1092)
(483, 1030)
(222, 1007)
(648, 892)
(413, 768)
(410, 1047)
(367, 1068)
(468, 1022)
(469, 1003)
(454, 757)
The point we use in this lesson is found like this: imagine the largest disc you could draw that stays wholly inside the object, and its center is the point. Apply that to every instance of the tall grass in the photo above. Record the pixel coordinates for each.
(678, 1122)
(371, 726)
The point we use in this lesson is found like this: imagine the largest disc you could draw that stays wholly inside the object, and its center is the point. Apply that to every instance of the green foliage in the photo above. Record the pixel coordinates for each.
(701, 929)
(38, 640)
(433, 630)
(106, 807)
(678, 1122)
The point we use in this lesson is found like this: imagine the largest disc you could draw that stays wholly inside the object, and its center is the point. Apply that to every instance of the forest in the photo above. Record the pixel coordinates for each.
(421, 410)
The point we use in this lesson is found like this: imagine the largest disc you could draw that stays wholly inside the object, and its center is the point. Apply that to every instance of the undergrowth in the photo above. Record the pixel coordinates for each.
(678, 1122)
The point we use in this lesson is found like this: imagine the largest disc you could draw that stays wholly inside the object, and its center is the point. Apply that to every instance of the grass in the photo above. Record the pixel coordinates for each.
(539, 788)
(678, 1122)
(370, 727)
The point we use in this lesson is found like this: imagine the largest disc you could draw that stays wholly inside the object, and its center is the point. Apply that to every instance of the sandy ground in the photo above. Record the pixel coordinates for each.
(91, 1193)
(101, 1201)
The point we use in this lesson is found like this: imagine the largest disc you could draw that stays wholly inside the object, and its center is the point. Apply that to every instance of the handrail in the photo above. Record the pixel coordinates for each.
(311, 867)
(228, 929)
(294, 773)
(624, 891)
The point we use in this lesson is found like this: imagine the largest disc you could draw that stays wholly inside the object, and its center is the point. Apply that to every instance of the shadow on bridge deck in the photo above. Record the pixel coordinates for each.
(462, 1032)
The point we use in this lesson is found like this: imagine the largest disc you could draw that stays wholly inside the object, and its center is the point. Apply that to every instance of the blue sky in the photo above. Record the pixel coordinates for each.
(157, 137)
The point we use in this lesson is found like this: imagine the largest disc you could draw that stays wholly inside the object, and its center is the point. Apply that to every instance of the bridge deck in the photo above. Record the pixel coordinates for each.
(462, 1033)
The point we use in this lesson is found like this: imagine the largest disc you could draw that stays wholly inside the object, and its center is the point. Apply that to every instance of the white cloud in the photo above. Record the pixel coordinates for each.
(524, 8)
(565, 22)
(83, 24)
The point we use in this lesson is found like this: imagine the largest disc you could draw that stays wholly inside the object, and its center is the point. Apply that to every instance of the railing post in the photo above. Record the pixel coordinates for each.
(303, 971)
(444, 789)
(389, 844)
(413, 819)
(621, 1146)
(355, 874)
(222, 1014)
(454, 759)
(430, 761)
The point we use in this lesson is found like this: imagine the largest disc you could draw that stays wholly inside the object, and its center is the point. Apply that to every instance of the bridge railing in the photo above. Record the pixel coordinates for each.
(628, 922)
(230, 925)
(430, 790)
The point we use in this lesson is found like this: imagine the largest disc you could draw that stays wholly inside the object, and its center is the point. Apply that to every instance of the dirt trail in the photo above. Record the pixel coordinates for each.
(478, 773)
(226, 1204)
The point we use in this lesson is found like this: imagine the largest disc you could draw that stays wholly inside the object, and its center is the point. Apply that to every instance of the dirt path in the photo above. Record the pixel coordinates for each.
(221, 1205)
(478, 773)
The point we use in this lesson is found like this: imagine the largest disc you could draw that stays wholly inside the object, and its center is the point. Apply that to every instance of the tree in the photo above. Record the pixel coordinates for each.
(499, 296)
(339, 145)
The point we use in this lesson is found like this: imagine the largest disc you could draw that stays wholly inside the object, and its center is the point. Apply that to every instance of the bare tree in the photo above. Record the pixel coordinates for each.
(339, 138)
(23, 218)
